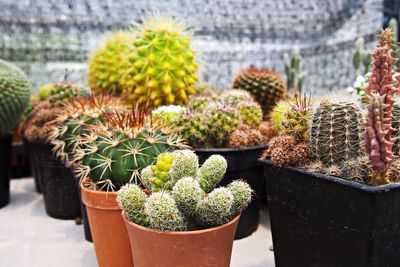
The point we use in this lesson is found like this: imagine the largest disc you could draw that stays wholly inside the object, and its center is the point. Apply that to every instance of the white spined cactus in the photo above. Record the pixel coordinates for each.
(211, 172)
(187, 194)
(132, 199)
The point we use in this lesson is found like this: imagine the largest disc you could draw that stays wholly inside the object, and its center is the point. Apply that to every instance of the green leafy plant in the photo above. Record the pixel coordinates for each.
(188, 201)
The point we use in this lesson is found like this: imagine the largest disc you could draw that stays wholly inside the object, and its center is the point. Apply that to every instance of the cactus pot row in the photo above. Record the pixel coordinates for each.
(321, 220)
(32, 165)
(119, 242)
(5, 168)
(57, 182)
(242, 164)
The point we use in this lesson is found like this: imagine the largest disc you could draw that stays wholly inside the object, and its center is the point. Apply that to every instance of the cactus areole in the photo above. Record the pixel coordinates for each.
(378, 124)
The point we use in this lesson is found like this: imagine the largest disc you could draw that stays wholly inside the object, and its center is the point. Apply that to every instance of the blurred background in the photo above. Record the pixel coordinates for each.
(49, 38)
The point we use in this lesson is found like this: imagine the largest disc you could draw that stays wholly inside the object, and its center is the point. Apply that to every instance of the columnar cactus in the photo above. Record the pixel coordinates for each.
(294, 76)
(266, 86)
(107, 64)
(115, 152)
(162, 64)
(380, 94)
(336, 133)
(187, 206)
(14, 95)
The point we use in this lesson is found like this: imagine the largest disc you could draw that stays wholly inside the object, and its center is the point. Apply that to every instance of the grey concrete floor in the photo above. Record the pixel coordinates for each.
(28, 237)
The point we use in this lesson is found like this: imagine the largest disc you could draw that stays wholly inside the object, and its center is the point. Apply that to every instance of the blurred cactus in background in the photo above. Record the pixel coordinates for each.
(294, 76)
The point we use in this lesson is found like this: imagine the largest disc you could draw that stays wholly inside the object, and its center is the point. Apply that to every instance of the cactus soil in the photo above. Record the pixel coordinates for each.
(322, 220)
(242, 164)
(209, 247)
(5, 168)
(110, 237)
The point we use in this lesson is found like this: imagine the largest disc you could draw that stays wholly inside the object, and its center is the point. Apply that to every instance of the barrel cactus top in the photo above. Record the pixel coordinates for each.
(14, 95)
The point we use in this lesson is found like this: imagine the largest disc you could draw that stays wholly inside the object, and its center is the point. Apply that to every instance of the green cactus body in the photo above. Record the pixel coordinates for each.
(221, 120)
(198, 103)
(336, 133)
(211, 172)
(296, 120)
(168, 114)
(294, 77)
(193, 128)
(234, 96)
(278, 114)
(162, 65)
(107, 64)
(132, 199)
(163, 213)
(266, 86)
(241, 192)
(14, 95)
(187, 194)
(250, 113)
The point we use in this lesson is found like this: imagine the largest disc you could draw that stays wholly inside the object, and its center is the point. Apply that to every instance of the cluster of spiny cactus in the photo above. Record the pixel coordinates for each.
(116, 148)
(266, 86)
(38, 122)
(183, 195)
(294, 76)
(223, 121)
(14, 96)
(151, 64)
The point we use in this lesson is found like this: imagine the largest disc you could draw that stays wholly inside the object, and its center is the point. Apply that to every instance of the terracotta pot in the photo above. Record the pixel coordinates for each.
(209, 247)
(109, 234)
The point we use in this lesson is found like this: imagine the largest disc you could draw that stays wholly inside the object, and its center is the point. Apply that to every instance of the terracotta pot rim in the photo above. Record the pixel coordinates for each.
(104, 200)
(183, 233)
(98, 192)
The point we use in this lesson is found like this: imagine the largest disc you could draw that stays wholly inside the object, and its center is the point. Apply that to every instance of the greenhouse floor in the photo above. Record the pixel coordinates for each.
(28, 237)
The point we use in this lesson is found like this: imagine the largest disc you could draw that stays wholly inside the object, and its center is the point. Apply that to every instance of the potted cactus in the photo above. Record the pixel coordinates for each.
(181, 218)
(340, 206)
(231, 125)
(14, 97)
(109, 156)
(55, 179)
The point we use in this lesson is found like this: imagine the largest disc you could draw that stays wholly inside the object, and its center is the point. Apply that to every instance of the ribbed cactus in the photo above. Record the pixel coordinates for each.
(294, 76)
(266, 86)
(187, 206)
(162, 66)
(380, 95)
(108, 63)
(278, 114)
(250, 112)
(115, 152)
(336, 133)
(296, 120)
(14, 95)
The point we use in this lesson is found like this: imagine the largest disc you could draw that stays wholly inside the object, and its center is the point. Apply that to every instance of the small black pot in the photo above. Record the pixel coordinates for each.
(57, 182)
(242, 164)
(34, 167)
(5, 168)
(321, 220)
(85, 219)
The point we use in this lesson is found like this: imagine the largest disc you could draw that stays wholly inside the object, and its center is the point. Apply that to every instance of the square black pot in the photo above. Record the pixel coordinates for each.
(321, 220)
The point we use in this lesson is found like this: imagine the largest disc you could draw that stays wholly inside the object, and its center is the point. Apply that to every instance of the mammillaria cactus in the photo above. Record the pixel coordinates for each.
(14, 95)
(115, 152)
(162, 65)
(107, 64)
(234, 96)
(380, 94)
(294, 77)
(266, 86)
(187, 206)
(336, 133)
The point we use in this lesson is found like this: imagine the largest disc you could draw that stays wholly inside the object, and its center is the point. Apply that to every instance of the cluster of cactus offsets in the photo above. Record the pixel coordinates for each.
(74, 121)
(336, 133)
(378, 123)
(296, 120)
(294, 77)
(114, 152)
(286, 150)
(266, 86)
(192, 202)
(162, 65)
(14, 95)
(246, 135)
(107, 64)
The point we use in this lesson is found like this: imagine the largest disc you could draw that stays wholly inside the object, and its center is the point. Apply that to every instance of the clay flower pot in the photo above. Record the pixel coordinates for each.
(209, 247)
(109, 234)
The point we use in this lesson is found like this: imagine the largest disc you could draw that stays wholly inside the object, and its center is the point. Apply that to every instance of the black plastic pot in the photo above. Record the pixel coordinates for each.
(85, 219)
(33, 166)
(321, 220)
(242, 164)
(57, 182)
(5, 168)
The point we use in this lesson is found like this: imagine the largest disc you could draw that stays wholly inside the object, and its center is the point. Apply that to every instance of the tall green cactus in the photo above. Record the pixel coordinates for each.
(294, 76)
(14, 95)
(361, 57)
(336, 133)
